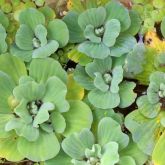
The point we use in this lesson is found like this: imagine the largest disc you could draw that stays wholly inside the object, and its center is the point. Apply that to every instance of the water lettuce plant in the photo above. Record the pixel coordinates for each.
(105, 84)
(109, 146)
(35, 38)
(34, 111)
(104, 30)
(150, 114)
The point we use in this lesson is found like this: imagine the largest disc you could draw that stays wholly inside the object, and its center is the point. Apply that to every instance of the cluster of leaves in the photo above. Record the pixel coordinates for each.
(151, 11)
(85, 86)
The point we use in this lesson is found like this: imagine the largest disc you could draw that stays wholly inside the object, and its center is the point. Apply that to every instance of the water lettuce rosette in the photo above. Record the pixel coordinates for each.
(36, 38)
(34, 112)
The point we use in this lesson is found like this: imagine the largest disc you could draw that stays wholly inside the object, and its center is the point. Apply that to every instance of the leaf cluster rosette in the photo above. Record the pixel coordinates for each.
(103, 31)
(151, 12)
(34, 112)
(105, 84)
(4, 23)
(148, 121)
(36, 38)
(109, 146)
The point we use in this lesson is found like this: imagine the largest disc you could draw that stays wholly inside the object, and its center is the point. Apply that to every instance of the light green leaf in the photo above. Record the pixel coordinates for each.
(158, 155)
(94, 16)
(46, 50)
(41, 34)
(117, 73)
(76, 144)
(7, 86)
(132, 150)
(13, 66)
(163, 27)
(89, 33)
(24, 55)
(112, 31)
(61, 158)
(22, 129)
(124, 44)
(22, 111)
(95, 151)
(24, 37)
(100, 83)
(127, 95)
(103, 100)
(110, 154)
(142, 129)
(110, 131)
(99, 65)
(146, 108)
(31, 17)
(8, 149)
(82, 78)
(46, 147)
(42, 69)
(135, 60)
(29, 91)
(78, 117)
(47, 127)
(115, 10)
(76, 35)
(153, 92)
(127, 160)
(94, 50)
(43, 114)
(58, 122)
(58, 31)
(56, 93)
(136, 23)
(4, 118)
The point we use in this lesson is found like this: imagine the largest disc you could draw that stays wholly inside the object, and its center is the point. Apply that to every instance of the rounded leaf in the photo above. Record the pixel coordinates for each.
(76, 34)
(8, 149)
(42, 69)
(110, 131)
(94, 50)
(24, 37)
(13, 66)
(115, 10)
(163, 27)
(78, 117)
(58, 31)
(31, 17)
(158, 155)
(44, 148)
(103, 100)
(94, 16)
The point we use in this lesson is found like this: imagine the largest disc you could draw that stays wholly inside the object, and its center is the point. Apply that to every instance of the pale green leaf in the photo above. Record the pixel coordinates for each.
(94, 16)
(46, 147)
(42, 69)
(103, 100)
(58, 31)
(94, 50)
(112, 31)
(13, 66)
(24, 37)
(78, 117)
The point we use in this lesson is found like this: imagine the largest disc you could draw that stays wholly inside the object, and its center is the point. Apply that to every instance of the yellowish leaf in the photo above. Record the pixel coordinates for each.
(75, 91)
